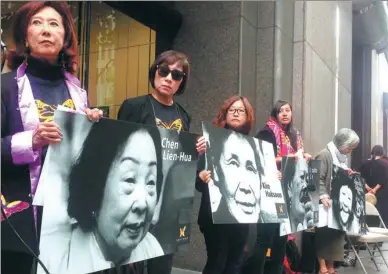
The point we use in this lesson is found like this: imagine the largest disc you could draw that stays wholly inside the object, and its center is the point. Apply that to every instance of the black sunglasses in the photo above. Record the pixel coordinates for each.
(164, 71)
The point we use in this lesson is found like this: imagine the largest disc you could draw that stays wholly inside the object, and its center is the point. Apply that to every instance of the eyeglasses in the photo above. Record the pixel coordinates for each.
(240, 111)
(164, 71)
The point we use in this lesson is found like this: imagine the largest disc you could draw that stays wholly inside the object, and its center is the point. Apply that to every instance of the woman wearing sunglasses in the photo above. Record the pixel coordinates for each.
(168, 76)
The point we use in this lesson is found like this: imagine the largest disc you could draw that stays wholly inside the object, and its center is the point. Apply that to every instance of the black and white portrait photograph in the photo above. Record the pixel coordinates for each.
(106, 208)
(348, 202)
(243, 173)
(301, 188)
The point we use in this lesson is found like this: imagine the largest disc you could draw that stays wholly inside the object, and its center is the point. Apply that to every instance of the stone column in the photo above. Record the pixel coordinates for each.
(274, 56)
(211, 37)
(322, 70)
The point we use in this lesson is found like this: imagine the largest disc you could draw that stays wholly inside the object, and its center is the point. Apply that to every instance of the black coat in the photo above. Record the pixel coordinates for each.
(15, 179)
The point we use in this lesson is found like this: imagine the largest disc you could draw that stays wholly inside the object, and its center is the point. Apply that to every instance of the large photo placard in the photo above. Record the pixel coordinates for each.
(114, 193)
(245, 187)
(300, 181)
(347, 212)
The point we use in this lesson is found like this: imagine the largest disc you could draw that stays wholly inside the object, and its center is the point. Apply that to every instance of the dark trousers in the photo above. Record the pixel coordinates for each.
(16, 262)
(267, 237)
(225, 248)
(160, 265)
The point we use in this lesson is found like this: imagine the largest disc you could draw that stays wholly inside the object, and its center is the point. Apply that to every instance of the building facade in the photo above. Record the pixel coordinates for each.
(323, 56)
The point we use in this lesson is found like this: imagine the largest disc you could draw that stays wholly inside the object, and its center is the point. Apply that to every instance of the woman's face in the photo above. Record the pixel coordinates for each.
(168, 78)
(345, 203)
(130, 195)
(236, 117)
(349, 149)
(45, 34)
(241, 190)
(285, 115)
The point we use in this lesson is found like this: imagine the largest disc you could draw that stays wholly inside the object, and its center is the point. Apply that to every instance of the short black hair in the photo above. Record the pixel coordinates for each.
(377, 150)
(171, 57)
(88, 175)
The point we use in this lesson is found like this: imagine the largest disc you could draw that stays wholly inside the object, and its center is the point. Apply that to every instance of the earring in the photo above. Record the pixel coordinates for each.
(93, 214)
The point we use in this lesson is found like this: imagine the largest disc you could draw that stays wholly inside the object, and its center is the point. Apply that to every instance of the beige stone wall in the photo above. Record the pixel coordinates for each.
(322, 70)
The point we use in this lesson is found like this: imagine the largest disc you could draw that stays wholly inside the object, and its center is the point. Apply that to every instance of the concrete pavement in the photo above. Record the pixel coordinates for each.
(369, 266)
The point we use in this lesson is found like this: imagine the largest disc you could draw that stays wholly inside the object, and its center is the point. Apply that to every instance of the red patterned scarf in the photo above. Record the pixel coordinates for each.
(283, 143)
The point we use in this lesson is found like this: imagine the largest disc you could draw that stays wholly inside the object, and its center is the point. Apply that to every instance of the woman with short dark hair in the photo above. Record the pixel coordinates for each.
(168, 75)
(375, 173)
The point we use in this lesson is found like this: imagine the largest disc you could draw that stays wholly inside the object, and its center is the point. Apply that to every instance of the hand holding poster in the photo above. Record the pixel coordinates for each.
(301, 188)
(107, 207)
(348, 202)
(244, 186)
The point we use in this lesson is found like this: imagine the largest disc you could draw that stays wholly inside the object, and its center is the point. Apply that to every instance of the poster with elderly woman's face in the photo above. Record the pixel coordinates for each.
(244, 187)
(300, 181)
(114, 193)
(347, 212)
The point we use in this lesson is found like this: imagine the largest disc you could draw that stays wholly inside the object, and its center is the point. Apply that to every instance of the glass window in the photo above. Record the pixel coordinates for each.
(121, 52)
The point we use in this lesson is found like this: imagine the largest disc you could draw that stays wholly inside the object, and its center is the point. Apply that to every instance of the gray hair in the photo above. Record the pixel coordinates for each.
(346, 138)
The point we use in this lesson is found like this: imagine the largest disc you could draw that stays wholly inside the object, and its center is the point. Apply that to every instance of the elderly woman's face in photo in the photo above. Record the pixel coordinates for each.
(242, 182)
(299, 193)
(130, 195)
(45, 34)
(345, 203)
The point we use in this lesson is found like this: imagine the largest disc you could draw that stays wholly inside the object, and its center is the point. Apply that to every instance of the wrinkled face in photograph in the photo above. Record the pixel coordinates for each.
(298, 193)
(241, 188)
(130, 195)
(345, 204)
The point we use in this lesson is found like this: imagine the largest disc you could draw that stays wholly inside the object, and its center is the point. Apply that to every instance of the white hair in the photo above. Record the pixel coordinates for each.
(346, 138)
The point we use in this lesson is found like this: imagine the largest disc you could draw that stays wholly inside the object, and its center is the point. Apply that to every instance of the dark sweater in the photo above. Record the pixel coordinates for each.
(375, 172)
(266, 134)
(49, 89)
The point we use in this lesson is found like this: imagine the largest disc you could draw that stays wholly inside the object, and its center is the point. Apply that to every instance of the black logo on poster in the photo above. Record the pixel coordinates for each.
(281, 210)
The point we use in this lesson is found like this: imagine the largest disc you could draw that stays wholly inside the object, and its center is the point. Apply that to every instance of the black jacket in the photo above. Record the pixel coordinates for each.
(139, 110)
(266, 134)
(204, 215)
(15, 179)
